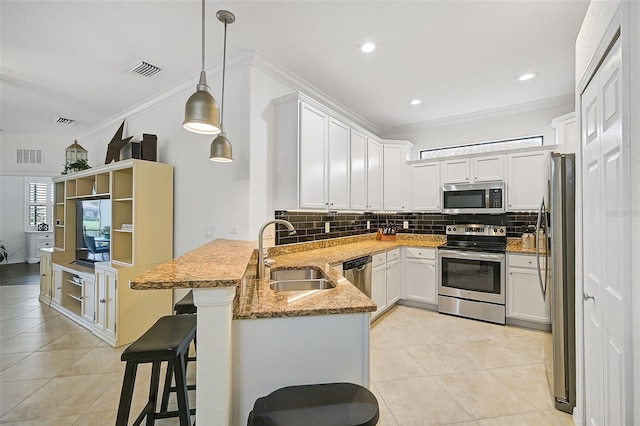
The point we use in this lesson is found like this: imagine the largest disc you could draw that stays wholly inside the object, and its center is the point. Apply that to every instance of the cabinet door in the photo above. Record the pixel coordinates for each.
(374, 175)
(57, 286)
(527, 175)
(455, 171)
(338, 165)
(426, 187)
(88, 300)
(394, 163)
(358, 171)
(525, 297)
(378, 289)
(106, 306)
(421, 280)
(313, 136)
(393, 282)
(486, 169)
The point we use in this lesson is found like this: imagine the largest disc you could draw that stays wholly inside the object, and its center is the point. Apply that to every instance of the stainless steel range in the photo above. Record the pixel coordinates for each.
(472, 275)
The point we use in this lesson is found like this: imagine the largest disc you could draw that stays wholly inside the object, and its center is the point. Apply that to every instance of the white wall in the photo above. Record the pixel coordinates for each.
(489, 126)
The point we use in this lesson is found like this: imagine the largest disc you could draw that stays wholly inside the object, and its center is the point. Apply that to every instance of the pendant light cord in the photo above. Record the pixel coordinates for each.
(224, 66)
(203, 35)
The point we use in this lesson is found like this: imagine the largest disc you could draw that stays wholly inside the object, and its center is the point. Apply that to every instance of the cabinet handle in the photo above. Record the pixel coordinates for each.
(103, 300)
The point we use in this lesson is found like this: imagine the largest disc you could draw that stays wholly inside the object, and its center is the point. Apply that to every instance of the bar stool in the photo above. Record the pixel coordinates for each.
(184, 306)
(168, 341)
(329, 404)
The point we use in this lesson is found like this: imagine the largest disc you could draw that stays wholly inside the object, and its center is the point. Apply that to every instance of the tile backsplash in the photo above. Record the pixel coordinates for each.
(310, 226)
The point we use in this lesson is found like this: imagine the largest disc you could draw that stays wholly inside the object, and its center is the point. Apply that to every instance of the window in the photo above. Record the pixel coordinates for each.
(476, 148)
(39, 203)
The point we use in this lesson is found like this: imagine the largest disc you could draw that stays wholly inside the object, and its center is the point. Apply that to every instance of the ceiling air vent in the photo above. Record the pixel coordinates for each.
(145, 69)
(29, 156)
(62, 120)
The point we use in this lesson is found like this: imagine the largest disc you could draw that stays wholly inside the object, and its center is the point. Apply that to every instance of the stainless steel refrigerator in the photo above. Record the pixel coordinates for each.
(556, 222)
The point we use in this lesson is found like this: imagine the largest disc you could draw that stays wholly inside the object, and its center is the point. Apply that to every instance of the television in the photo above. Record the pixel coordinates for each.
(93, 231)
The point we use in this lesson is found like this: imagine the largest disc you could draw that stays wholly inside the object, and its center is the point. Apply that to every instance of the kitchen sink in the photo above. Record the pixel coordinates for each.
(296, 274)
(300, 279)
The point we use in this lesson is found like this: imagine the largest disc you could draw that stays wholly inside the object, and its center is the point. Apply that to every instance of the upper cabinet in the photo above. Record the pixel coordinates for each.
(366, 172)
(396, 178)
(476, 169)
(527, 175)
(425, 179)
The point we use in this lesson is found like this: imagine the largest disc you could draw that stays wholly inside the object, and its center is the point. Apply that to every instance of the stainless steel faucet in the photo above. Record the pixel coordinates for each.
(261, 257)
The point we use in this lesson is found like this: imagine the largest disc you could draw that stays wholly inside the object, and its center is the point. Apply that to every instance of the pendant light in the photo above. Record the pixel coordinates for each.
(201, 111)
(221, 147)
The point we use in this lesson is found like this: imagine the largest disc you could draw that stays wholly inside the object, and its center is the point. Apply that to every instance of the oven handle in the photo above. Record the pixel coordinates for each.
(457, 254)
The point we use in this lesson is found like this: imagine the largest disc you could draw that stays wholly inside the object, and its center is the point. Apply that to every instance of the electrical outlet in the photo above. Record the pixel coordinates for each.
(327, 227)
(405, 224)
(233, 229)
(208, 231)
(368, 224)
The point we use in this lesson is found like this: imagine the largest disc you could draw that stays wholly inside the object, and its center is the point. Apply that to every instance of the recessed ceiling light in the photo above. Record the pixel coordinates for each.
(367, 47)
(415, 102)
(526, 76)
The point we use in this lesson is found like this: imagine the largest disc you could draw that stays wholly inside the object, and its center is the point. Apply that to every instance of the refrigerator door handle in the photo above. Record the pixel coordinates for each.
(543, 285)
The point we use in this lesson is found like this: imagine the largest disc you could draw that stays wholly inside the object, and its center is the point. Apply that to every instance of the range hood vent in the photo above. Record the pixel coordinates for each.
(145, 69)
(62, 120)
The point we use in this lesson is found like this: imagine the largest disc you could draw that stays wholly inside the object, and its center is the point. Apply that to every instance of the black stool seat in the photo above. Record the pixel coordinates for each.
(185, 305)
(339, 404)
(168, 341)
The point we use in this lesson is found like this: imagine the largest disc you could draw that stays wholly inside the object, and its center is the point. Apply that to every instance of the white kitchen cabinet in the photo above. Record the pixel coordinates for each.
(475, 169)
(338, 165)
(421, 280)
(374, 175)
(37, 240)
(527, 175)
(456, 171)
(396, 180)
(488, 168)
(366, 174)
(524, 295)
(425, 190)
(312, 157)
(106, 297)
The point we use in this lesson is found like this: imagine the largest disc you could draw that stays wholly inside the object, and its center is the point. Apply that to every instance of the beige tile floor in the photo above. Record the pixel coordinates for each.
(425, 369)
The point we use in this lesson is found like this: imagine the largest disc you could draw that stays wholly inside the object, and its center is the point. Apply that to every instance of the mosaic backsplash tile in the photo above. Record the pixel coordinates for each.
(310, 226)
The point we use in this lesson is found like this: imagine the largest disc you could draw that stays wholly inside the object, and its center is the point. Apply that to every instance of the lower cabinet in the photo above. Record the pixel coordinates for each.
(524, 294)
(105, 322)
(421, 280)
(102, 301)
(385, 280)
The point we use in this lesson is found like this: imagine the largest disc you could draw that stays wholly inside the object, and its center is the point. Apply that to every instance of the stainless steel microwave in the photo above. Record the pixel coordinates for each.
(473, 198)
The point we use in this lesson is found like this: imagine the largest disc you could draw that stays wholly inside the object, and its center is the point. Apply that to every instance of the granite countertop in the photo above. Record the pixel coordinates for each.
(226, 263)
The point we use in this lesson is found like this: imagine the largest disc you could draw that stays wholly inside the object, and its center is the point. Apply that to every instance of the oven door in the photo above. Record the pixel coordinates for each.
(472, 275)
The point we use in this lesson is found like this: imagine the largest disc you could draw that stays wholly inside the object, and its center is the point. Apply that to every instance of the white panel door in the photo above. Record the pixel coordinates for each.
(313, 139)
(358, 171)
(338, 166)
(606, 252)
(374, 175)
(425, 189)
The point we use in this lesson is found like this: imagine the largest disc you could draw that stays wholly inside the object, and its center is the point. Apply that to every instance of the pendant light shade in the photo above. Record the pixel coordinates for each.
(221, 149)
(201, 111)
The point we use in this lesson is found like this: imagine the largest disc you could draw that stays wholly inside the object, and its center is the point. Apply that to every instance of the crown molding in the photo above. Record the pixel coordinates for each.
(565, 100)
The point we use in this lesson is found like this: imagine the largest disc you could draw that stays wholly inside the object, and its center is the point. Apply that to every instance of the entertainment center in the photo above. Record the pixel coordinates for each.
(111, 223)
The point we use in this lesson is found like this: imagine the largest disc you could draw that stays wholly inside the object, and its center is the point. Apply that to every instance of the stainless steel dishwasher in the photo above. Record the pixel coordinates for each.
(358, 272)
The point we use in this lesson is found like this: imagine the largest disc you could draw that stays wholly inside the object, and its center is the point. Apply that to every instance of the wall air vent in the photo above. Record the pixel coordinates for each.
(62, 120)
(29, 156)
(145, 69)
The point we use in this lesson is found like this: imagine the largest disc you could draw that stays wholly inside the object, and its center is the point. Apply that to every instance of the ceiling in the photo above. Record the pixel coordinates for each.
(70, 58)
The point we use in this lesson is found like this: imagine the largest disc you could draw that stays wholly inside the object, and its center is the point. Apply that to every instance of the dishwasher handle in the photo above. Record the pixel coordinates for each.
(359, 263)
